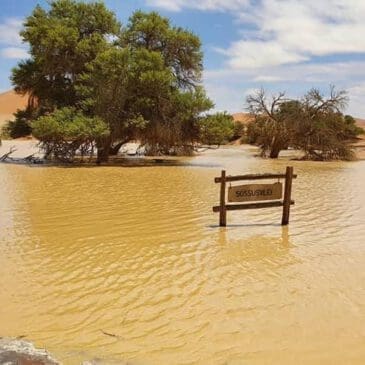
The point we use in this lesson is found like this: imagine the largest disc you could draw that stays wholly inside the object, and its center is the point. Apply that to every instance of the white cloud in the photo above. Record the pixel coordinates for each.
(14, 52)
(256, 54)
(10, 40)
(286, 44)
(295, 79)
(286, 31)
(290, 31)
(357, 98)
(9, 32)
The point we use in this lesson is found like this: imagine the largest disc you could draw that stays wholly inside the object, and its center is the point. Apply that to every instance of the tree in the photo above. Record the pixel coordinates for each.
(239, 130)
(62, 41)
(180, 49)
(321, 128)
(216, 129)
(315, 124)
(142, 80)
(20, 127)
(272, 128)
(147, 87)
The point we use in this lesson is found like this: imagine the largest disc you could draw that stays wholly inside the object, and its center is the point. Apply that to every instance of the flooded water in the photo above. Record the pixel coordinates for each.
(129, 265)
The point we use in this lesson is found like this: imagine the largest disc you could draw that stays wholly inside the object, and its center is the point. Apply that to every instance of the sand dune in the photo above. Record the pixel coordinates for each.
(242, 117)
(10, 102)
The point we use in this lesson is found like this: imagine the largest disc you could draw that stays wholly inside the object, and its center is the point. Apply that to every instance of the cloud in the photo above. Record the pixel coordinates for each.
(357, 105)
(9, 32)
(295, 79)
(286, 45)
(14, 52)
(286, 31)
(256, 54)
(10, 40)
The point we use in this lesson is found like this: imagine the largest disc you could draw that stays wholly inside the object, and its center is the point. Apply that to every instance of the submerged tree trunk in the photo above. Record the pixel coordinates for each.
(275, 149)
(103, 147)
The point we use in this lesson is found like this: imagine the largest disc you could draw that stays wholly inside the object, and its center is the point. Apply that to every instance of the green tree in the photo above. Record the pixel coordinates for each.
(20, 127)
(147, 87)
(321, 129)
(180, 49)
(143, 80)
(239, 130)
(216, 129)
(61, 42)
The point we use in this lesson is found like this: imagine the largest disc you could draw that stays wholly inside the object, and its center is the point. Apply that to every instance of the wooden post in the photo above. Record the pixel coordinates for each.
(222, 204)
(287, 196)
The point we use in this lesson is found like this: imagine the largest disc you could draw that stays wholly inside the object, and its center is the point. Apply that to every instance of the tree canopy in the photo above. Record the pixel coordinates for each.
(216, 129)
(62, 41)
(67, 131)
(315, 124)
(143, 80)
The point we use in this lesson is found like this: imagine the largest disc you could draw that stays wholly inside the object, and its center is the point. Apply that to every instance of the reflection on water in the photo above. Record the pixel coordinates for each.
(137, 253)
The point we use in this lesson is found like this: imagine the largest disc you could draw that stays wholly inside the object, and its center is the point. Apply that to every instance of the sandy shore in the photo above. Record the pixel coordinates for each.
(22, 148)
(26, 147)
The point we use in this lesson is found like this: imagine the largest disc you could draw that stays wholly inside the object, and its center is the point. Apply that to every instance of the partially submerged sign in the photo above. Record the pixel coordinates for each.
(255, 192)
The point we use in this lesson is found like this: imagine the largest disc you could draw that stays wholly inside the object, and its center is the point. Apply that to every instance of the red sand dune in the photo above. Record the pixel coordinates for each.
(10, 102)
(242, 117)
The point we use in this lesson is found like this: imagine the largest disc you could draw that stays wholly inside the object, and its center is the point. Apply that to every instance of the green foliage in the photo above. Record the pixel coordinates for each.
(67, 131)
(149, 89)
(20, 126)
(351, 130)
(142, 80)
(180, 49)
(62, 41)
(17, 128)
(239, 130)
(216, 129)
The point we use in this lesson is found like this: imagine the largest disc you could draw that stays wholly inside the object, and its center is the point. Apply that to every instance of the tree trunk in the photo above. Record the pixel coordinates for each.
(103, 150)
(275, 150)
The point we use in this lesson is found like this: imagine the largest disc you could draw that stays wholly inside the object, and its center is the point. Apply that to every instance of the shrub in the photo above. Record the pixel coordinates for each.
(17, 128)
(216, 129)
(66, 131)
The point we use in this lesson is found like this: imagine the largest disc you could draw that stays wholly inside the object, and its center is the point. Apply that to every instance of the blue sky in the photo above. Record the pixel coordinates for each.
(280, 45)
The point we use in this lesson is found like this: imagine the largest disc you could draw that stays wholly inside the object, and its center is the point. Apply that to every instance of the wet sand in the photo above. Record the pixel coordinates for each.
(25, 147)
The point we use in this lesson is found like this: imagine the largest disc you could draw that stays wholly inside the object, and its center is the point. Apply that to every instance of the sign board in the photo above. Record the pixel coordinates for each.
(255, 192)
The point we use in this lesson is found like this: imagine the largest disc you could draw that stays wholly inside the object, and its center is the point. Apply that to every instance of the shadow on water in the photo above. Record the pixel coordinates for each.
(126, 162)
(236, 225)
(225, 237)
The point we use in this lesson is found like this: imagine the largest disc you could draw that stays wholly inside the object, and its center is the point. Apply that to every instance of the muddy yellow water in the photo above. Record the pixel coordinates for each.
(129, 265)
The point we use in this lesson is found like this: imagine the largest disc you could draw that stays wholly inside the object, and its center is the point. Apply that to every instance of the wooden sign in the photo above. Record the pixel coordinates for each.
(255, 192)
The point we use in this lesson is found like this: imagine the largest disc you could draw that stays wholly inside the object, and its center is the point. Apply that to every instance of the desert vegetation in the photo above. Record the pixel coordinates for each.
(95, 84)
(314, 124)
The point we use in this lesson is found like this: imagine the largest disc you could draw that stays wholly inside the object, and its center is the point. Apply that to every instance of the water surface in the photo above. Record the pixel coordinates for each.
(86, 253)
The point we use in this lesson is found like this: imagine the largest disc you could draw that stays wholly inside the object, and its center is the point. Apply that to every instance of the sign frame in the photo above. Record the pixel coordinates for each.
(222, 208)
